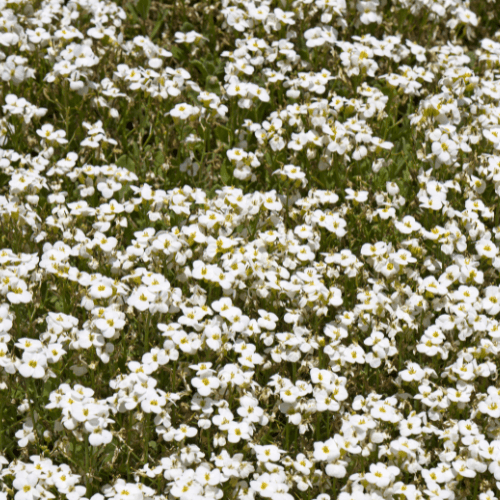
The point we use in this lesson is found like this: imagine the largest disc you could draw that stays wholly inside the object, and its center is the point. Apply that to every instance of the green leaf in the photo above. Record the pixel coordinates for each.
(222, 134)
(159, 158)
(304, 54)
(200, 67)
(133, 12)
(253, 226)
(136, 150)
(59, 306)
(4, 179)
(177, 52)
(210, 67)
(126, 162)
(107, 453)
(187, 27)
(212, 84)
(158, 24)
(143, 7)
(225, 175)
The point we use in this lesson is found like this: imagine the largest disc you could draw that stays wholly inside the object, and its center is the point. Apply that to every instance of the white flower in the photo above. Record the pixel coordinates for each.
(19, 294)
(267, 453)
(264, 485)
(33, 365)
(413, 372)
(205, 383)
(381, 475)
(25, 484)
(184, 431)
(141, 298)
(284, 17)
(237, 431)
(327, 451)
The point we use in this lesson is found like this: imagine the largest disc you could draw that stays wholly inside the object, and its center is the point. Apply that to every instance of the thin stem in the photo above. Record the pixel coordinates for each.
(146, 438)
(32, 414)
(87, 472)
(146, 337)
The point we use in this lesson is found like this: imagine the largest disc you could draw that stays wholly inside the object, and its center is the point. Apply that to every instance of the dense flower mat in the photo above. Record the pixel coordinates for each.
(249, 249)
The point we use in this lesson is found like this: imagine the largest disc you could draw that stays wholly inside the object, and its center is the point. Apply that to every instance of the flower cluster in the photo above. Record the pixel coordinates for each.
(249, 249)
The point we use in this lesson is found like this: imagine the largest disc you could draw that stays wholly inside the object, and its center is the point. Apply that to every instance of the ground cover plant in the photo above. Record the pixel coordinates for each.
(249, 249)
